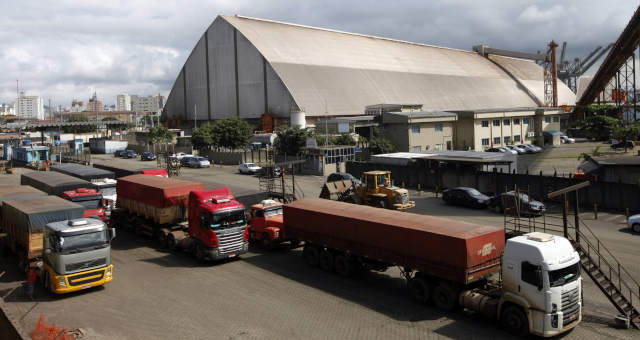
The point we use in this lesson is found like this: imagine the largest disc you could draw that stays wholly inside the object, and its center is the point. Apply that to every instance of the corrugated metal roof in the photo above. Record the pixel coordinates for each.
(347, 71)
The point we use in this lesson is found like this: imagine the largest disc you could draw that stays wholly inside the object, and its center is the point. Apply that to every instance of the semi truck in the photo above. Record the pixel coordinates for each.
(266, 225)
(180, 214)
(530, 283)
(103, 180)
(70, 188)
(50, 232)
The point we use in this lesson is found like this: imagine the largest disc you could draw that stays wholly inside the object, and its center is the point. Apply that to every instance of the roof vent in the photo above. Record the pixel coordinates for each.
(75, 223)
(540, 237)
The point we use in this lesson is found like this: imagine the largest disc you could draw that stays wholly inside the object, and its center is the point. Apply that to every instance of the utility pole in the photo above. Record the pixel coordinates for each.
(195, 116)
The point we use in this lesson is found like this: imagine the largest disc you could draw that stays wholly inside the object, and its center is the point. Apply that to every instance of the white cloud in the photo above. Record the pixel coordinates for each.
(64, 49)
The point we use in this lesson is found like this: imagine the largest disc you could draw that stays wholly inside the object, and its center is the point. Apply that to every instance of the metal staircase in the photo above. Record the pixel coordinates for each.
(611, 277)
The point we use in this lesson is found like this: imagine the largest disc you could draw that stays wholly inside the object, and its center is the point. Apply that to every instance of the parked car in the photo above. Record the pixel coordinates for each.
(131, 154)
(181, 155)
(519, 151)
(567, 140)
(248, 168)
(509, 200)
(634, 223)
(197, 162)
(275, 171)
(495, 150)
(121, 153)
(184, 160)
(624, 144)
(468, 197)
(507, 150)
(147, 156)
(341, 176)
(535, 148)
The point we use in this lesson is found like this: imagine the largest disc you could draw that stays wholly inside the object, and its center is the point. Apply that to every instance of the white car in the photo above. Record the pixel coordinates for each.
(198, 162)
(248, 168)
(567, 140)
(634, 223)
(181, 155)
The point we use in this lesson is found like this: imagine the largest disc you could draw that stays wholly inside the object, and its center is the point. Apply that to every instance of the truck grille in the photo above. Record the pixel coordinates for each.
(81, 279)
(230, 240)
(570, 304)
(72, 267)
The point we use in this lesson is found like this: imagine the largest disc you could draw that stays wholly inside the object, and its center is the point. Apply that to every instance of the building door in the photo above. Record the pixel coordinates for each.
(448, 145)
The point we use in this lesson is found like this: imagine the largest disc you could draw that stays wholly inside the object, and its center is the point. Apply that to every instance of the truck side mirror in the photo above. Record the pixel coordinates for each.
(539, 280)
(112, 233)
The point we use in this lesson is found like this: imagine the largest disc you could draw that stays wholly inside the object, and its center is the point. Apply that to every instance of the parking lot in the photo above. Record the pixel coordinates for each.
(161, 295)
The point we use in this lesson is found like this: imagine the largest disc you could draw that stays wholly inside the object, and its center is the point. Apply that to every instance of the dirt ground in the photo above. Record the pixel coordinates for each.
(156, 294)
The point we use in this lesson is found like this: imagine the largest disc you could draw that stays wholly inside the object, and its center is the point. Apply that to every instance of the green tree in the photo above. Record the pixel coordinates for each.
(600, 127)
(159, 135)
(204, 137)
(291, 140)
(379, 143)
(344, 139)
(79, 128)
(232, 133)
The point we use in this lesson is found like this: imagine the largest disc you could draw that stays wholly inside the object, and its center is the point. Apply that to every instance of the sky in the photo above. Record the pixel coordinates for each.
(67, 49)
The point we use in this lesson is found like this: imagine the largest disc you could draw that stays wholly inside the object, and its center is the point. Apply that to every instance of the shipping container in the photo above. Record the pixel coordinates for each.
(105, 146)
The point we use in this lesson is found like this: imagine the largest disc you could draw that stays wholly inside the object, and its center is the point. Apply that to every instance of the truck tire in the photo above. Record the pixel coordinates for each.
(420, 290)
(514, 321)
(161, 237)
(198, 252)
(343, 266)
(326, 260)
(311, 255)
(636, 228)
(172, 244)
(444, 297)
(267, 242)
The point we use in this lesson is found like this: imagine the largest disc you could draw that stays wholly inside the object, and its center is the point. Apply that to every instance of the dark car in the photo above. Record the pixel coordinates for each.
(516, 205)
(468, 197)
(147, 156)
(131, 154)
(341, 176)
(121, 153)
(621, 145)
(185, 161)
(275, 171)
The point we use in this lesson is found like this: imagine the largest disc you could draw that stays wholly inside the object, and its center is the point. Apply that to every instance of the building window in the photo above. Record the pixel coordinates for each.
(496, 140)
(438, 146)
(516, 138)
(506, 122)
(556, 119)
(485, 141)
(415, 128)
(507, 139)
(547, 119)
(525, 120)
(496, 122)
(438, 127)
(516, 121)
(416, 148)
(485, 123)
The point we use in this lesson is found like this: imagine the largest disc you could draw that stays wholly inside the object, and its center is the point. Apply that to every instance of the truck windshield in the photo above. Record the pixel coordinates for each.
(108, 191)
(83, 241)
(91, 204)
(559, 277)
(273, 211)
(227, 219)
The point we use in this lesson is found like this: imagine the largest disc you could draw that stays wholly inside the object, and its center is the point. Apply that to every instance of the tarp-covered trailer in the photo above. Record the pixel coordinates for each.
(84, 172)
(12, 192)
(54, 183)
(162, 199)
(457, 251)
(23, 220)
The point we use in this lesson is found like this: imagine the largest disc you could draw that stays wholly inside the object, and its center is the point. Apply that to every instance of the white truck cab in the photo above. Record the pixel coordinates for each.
(107, 187)
(541, 276)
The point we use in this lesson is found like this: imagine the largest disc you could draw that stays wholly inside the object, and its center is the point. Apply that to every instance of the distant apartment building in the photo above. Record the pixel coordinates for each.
(6, 109)
(123, 102)
(95, 105)
(76, 106)
(29, 107)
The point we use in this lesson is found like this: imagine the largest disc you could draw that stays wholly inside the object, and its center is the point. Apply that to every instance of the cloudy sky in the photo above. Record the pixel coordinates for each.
(68, 48)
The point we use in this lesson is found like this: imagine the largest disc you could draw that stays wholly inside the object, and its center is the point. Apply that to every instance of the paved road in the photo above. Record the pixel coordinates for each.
(161, 295)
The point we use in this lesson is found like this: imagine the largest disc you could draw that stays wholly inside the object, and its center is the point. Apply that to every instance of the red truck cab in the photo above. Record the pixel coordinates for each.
(218, 224)
(267, 224)
(90, 199)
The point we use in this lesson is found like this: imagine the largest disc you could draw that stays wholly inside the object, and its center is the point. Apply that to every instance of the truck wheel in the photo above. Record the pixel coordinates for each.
(198, 252)
(161, 236)
(514, 321)
(444, 297)
(172, 244)
(267, 242)
(382, 204)
(343, 265)
(311, 255)
(420, 290)
(636, 228)
(326, 260)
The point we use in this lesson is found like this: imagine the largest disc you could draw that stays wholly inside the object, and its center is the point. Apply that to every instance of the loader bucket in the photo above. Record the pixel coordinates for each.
(336, 190)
